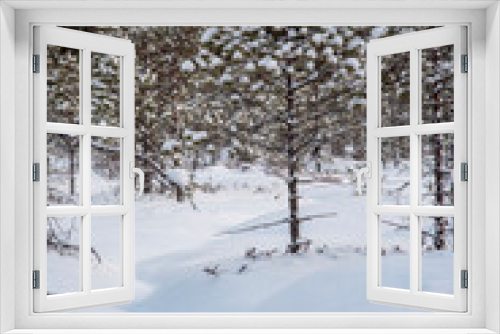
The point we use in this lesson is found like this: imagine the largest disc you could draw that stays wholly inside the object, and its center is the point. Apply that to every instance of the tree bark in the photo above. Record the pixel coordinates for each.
(292, 169)
(72, 169)
(319, 143)
(440, 222)
(148, 182)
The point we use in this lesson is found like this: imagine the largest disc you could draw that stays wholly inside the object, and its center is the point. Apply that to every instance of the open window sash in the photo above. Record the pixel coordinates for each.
(79, 291)
(415, 211)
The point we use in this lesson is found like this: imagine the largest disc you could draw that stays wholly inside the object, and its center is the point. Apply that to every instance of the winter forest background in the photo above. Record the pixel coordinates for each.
(249, 138)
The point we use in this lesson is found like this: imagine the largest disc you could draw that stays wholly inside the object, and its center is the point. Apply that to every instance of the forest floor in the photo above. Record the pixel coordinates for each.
(200, 261)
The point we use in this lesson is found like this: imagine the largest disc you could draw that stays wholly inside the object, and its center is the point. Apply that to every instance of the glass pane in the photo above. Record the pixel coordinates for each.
(105, 89)
(437, 84)
(395, 251)
(63, 255)
(63, 169)
(395, 170)
(437, 169)
(106, 252)
(63, 85)
(395, 89)
(437, 254)
(105, 171)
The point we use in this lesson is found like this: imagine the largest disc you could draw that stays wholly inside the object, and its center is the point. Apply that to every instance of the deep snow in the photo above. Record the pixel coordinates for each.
(175, 244)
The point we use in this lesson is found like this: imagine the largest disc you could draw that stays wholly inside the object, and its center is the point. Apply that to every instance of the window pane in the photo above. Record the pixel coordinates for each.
(395, 251)
(395, 89)
(437, 254)
(63, 169)
(63, 84)
(106, 252)
(437, 169)
(105, 89)
(63, 255)
(395, 170)
(105, 171)
(437, 84)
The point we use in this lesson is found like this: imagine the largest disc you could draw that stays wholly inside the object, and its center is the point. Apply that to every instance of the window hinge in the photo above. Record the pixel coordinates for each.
(465, 63)
(464, 279)
(36, 279)
(36, 172)
(36, 63)
(464, 171)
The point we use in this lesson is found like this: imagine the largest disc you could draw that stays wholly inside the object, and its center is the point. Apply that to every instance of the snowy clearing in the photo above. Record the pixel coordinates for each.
(196, 260)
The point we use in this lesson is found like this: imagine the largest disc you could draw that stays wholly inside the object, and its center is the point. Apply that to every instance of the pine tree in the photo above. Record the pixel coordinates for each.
(271, 71)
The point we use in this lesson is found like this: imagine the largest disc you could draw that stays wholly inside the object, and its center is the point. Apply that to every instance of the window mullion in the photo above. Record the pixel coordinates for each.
(87, 170)
(414, 169)
(66, 129)
(106, 131)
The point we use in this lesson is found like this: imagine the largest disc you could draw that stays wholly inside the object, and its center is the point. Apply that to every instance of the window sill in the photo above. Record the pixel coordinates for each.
(253, 331)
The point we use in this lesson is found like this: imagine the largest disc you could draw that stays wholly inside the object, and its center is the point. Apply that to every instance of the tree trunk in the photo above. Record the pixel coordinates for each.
(317, 157)
(179, 193)
(178, 189)
(317, 148)
(440, 222)
(72, 169)
(292, 169)
(178, 160)
(196, 159)
(148, 181)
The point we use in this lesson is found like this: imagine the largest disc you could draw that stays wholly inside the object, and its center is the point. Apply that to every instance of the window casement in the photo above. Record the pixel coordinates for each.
(83, 135)
(418, 128)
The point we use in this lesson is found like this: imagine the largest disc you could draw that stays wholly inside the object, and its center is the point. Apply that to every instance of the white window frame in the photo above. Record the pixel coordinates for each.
(86, 44)
(413, 43)
(484, 102)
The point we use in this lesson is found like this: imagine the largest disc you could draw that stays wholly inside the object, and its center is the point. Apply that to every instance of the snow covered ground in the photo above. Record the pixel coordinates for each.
(194, 261)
